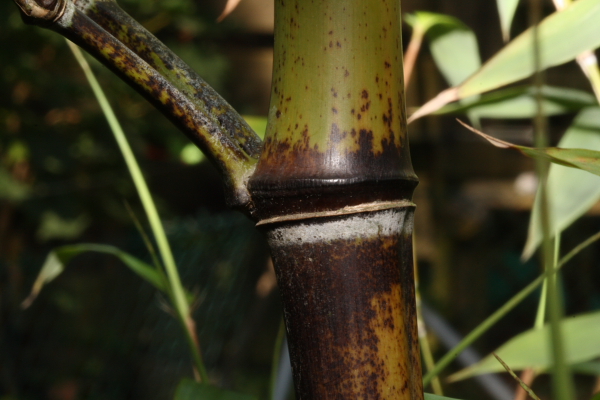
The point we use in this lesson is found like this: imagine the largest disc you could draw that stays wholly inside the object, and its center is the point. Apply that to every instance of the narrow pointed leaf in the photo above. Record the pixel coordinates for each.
(190, 390)
(57, 261)
(584, 159)
(562, 36)
(520, 102)
(531, 349)
(506, 10)
(572, 192)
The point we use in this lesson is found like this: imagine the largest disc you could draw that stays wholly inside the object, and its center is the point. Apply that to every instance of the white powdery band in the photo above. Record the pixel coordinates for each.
(390, 222)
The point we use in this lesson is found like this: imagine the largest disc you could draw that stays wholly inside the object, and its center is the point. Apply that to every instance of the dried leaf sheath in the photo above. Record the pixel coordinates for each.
(233, 153)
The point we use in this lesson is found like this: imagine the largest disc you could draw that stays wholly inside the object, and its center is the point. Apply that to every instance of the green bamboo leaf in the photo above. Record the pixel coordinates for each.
(455, 51)
(57, 261)
(584, 159)
(190, 390)
(424, 20)
(588, 368)
(531, 349)
(506, 10)
(520, 102)
(562, 36)
(453, 45)
(572, 192)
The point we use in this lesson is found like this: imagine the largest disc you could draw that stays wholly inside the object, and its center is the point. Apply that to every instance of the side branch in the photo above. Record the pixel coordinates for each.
(147, 65)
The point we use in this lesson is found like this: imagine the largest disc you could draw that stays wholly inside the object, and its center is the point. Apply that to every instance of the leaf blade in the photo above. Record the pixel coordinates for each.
(57, 260)
(531, 349)
(506, 11)
(573, 192)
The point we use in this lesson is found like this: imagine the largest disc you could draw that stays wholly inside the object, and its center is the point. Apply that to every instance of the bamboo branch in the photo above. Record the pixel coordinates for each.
(124, 46)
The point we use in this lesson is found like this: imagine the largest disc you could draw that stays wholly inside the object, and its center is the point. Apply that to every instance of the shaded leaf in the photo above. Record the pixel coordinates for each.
(429, 396)
(190, 390)
(10, 188)
(53, 226)
(531, 349)
(520, 102)
(562, 35)
(506, 10)
(58, 259)
(589, 368)
(572, 192)
(424, 20)
(584, 159)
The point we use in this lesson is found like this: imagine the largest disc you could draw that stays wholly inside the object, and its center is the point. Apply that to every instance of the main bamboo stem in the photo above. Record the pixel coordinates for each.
(332, 191)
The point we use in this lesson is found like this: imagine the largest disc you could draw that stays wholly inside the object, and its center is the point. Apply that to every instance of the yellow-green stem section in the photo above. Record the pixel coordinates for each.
(176, 291)
(562, 380)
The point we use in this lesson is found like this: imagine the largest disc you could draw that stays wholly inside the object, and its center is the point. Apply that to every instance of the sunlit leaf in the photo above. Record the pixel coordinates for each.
(572, 192)
(58, 259)
(190, 390)
(455, 51)
(562, 36)
(531, 349)
(520, 102)
(584, 159)
(506, 10)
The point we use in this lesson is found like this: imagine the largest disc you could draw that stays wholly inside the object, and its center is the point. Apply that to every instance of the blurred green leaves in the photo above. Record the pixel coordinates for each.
(58, 259)
(572, 192)
(531, 349)
(190, 390)
(577, 23)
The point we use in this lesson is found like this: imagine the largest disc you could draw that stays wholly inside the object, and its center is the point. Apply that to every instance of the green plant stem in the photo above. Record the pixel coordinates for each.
(436, 385)
(515, 377)
(482, 328)
(562, 380)
(177, 293)
(502, 311)
(426, 353)
(276, 358)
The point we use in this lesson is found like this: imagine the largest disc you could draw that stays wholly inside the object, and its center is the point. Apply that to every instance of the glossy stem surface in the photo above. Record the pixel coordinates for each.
(163, 80)
(348, 292)
(332, 190)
